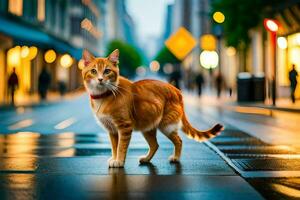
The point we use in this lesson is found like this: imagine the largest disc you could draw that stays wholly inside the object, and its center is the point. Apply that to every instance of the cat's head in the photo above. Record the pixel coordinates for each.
(100, 74)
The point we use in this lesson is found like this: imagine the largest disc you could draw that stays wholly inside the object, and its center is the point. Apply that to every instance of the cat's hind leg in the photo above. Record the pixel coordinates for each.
(176, 140)
(150, 137)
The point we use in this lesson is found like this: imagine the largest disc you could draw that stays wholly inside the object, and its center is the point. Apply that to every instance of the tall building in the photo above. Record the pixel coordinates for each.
(30, 28)
(119, 23)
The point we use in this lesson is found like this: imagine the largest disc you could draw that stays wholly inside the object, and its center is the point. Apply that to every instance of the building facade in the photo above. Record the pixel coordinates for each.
(29, 29)
(120, 23)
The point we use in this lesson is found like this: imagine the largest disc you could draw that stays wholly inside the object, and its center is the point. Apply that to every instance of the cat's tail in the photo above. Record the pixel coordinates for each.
(199, 135)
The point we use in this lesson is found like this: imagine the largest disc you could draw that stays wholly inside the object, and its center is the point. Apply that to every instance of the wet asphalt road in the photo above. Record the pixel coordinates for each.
(59, 152)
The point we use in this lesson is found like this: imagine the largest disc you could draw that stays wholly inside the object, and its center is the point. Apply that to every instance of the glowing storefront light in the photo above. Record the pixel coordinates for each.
(230, 51)
(24, 51)
(81, 64)
(209, 59)
(13, 56)
(50, 56)
(282, 42)
(32, 52)
(66, 61)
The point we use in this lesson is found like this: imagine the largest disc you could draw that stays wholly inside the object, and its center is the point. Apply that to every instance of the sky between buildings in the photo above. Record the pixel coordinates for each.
(149, 17)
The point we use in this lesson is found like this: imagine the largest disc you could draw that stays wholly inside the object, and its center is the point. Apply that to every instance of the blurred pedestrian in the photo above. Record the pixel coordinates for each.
(44, 83)
(293, 80)
(219, 82)
(62, 88)
(13, 84)
(175, 77)
(199, 82)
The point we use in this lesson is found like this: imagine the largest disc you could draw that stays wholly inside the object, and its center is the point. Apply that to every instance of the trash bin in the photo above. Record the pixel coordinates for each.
(259, 93)
(244, 87)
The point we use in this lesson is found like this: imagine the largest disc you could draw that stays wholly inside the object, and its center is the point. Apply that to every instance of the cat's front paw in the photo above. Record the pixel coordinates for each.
(144, 159)
(115, 163)
(174, 159)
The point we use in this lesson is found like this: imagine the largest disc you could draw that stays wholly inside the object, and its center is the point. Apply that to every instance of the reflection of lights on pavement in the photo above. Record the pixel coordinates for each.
(283, 189)
(66, 61)
(282, 43)
(230, 51)
(141, 71)
(32, 52)
(20, 110)
(24, 51)
(81, 64)
(168, 68)
(50, 56)
(154, 66)
(209, 59)
(65, 124)
(219, 17)
(21, 124)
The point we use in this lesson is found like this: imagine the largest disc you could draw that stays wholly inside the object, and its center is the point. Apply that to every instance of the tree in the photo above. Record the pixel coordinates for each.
(164, 56)
(242, 16)
(129, 59)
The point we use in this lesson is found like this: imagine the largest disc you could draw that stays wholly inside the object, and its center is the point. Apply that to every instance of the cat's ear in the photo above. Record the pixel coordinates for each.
(114, 57)
(87, 57)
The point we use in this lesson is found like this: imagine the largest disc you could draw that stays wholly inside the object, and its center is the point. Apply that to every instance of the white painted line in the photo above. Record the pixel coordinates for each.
(65, 124)
(21, 124)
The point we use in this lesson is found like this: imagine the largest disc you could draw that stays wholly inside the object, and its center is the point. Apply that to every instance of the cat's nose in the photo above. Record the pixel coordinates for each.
(100, 80)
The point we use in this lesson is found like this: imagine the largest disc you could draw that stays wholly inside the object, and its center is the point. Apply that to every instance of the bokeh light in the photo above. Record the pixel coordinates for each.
(141, 71)
(81, 64)
(271, 25)
(230, 51)
(219, 17)
(32, 52)
(50, 56)
(24, 51)
(209, 59)
(13, 56)
(66, 60)
(282, 42)
(168, 68)
(154, 66)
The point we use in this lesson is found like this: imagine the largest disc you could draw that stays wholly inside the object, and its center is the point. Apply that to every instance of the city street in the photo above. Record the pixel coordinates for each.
(60, 153)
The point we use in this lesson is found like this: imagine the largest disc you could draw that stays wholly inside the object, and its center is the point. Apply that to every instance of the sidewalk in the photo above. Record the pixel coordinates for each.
(34, 100)
(272, 126)
(283, 104)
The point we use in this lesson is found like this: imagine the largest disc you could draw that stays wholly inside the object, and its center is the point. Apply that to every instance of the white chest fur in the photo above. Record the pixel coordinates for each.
(106, 122)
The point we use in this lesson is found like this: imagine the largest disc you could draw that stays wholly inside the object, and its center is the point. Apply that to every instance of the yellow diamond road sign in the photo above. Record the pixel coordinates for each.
(181, 43)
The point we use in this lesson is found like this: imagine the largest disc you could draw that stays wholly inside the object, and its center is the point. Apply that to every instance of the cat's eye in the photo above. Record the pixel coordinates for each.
(106, 71)
(94, 71)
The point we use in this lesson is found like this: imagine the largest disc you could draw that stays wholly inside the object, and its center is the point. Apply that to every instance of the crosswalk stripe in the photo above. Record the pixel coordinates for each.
(21, 124)
(65, 124)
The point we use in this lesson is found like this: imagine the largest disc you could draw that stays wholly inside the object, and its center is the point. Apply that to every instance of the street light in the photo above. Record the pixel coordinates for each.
(209, 59)
(219, 18)
(272, 27)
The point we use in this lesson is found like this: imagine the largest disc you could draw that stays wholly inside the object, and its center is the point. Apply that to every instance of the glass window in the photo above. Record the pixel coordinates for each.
(16, 7)
(41, 10)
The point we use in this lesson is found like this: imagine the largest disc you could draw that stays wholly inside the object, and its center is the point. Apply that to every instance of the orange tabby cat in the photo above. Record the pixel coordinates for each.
(122, 106)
